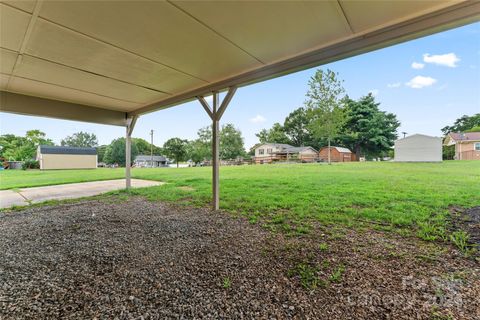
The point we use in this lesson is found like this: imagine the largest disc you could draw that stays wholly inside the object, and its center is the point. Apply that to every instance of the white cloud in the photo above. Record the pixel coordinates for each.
(447, 60)
(419, 82)
(258, 119)
(374, 92)
(394, 85)
(417, 65)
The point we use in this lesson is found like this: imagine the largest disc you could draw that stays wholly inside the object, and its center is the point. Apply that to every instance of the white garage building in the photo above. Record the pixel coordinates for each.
(418, 148)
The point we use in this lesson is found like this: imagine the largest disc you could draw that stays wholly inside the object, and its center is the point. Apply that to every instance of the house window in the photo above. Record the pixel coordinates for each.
(269, 151)
(477, 146)
(260, 151)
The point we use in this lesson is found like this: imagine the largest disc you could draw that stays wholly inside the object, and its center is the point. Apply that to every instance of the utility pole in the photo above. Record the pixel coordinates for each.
(151, 148)
(404, 134)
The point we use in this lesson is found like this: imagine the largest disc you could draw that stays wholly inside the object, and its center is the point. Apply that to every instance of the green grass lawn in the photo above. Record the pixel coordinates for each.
(400, 194)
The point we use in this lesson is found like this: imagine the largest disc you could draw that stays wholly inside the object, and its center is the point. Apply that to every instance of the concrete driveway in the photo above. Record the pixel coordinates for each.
(26, 196)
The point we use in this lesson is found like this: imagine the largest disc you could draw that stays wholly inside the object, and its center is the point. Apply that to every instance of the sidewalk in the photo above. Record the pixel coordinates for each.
(25, 196)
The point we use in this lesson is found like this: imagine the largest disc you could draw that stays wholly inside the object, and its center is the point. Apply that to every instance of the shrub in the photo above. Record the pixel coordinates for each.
(30, 164)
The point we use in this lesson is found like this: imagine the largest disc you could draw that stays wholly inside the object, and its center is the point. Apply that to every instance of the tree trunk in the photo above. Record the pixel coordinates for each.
(357, 152)
(329, 159)
(177, 162)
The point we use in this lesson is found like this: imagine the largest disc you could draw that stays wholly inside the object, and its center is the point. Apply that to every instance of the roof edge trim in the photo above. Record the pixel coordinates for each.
(35, 106)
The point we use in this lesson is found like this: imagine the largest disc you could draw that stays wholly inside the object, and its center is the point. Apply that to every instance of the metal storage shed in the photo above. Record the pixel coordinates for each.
(418, 148)
(111, 61)
(56, 157)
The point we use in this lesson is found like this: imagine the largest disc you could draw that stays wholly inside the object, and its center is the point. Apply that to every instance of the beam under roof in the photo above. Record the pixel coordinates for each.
(30, 105)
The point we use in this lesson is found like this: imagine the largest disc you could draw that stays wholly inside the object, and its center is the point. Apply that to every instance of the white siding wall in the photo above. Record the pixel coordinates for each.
(418, 148)
(265, 147)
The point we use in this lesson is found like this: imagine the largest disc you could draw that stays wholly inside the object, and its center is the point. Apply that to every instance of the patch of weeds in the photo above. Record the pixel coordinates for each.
(308, 275)
(430, 231)
(325, 264)
(437, 315)
(460, 239)
(337, 235)
(252, 218)
(336, 276)
(381, 227)
(278, 219)
(396, 254)
(323, 246)
(426, 257)
(226, 283)
(123, 197)
(302, 230)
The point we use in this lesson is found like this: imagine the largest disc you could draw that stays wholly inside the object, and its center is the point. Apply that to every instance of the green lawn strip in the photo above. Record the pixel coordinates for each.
(399, 195)
(10, 179)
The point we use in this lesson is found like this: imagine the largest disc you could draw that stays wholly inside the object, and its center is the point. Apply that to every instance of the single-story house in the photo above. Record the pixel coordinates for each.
(467, 145)
(418, 148)
(145, 161)
(60, 157)
(273, 152)
(337, 154)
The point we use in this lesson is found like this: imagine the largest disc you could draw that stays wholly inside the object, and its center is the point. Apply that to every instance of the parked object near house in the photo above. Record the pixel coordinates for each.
(467, 145)
(337, 154)
(275, 152)
(418, 148)
(55, 157)
(145, 161)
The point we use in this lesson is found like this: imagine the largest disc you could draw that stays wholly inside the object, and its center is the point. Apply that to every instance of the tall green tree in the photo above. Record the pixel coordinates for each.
(144, 147)
(115, 152)
(231, 142)
(18, 148)
(276, 134)
(368, 131)
(325, 106)
(80, 139)
(101, 152)
(176, 148)
(463, 124)
(297, 128)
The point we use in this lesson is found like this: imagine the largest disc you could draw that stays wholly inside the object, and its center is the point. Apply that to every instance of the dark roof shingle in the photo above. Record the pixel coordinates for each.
(67, 150)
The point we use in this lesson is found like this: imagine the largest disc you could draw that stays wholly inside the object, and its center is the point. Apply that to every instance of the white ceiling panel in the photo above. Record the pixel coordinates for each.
(54, 43)
(272, 32)
(370, 14)
(13, 25)
(25, 5)
(45, 90)
(142, 56)
(7, 60)
(156, 30)
(41, 70)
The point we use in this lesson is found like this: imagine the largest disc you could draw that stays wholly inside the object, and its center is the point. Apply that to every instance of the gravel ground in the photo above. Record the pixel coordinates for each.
(145, 260)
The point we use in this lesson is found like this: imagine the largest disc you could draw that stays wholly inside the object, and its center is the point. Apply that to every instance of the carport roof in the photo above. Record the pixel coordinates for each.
(101, 61)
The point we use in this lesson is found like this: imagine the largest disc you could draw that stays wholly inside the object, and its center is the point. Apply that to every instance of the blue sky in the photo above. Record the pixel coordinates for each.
(444, 86)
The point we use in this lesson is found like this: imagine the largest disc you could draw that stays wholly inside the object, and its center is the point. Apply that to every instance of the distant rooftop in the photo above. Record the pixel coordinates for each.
(67, 150)
(465, 136)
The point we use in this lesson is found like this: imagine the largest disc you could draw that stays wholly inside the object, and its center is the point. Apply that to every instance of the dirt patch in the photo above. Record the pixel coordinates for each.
(467, 220)
(136, 258)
